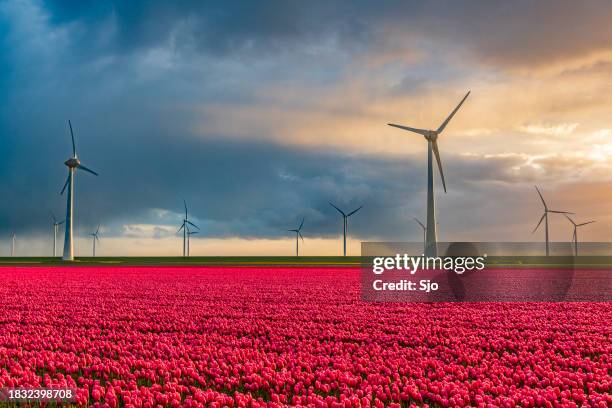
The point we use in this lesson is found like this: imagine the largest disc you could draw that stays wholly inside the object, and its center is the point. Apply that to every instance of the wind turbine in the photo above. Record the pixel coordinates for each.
(345, 221)
(73, 164)
(56, 224)
(189, 234)
(95, 237)
(545, 218)
(13, 244)
(298, 234)
(575, 236)
(424, 233)
(431, 247)
(184, 227)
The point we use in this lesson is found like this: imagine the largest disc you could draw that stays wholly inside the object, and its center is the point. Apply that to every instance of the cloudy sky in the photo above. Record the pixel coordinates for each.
(260, 113)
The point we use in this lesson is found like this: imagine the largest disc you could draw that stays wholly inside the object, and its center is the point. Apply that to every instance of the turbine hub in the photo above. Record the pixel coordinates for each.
(72, 162)
(431, 135)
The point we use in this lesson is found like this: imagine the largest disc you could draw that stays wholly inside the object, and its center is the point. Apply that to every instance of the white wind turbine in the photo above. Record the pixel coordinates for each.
(73, 163)
(12, 244)
(56, 225)
(184, 227)
(575, 235)
(545, 219)
(189, 234)
(424, 233)
(431, 136)
(345, 221)
(298, 235)
(95, 237)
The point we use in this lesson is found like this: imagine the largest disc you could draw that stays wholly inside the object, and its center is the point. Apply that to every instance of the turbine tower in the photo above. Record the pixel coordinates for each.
(56, 225)
(545, 219)
(431, 240)
(73, 163)
(424, 233)
(95, 237)
(184, 227)
(12, 244)
(345, 221)
(298, 235)
(575, 235)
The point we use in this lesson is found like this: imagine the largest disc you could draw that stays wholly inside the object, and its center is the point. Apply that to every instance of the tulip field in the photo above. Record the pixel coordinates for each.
(276, 336)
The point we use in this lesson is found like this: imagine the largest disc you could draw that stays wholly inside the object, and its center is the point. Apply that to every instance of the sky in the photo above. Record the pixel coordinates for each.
(261, 113)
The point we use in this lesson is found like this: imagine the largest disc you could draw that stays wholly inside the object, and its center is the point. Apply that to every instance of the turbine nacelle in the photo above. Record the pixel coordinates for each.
(73, 162)
(431, 135)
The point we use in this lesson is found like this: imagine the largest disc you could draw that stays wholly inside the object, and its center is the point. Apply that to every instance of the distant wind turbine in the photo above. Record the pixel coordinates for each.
(13, 244)
(73, 164)
(345, 221)
(424, 232)
(184, 227)
(545, 219)
(95, 237)
(431, 246)
(189, 234)
(575, 235)
(298, 235)
(56, 224)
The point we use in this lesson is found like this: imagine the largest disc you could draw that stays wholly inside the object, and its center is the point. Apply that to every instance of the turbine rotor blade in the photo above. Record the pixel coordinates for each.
(437, 153)
(192, 224)
(541, 219)
(60, 223)
(541, 198)
(182, 226)
(422, 132)
(98, 229)
(72, 135)
(420, 223)
(87, 170)
(339, 210)
(301, 224)
(300, 234)
(559, 212)
(353, 212)
(185, 202)
(65, 184)
(443, 125)
(585, 223)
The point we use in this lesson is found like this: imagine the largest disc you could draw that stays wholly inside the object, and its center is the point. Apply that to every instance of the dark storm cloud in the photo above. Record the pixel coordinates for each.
(216, 27)
(517, 33)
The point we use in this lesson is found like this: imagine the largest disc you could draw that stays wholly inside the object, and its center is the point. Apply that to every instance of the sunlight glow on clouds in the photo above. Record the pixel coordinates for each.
(561, 129)
(148, 230)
